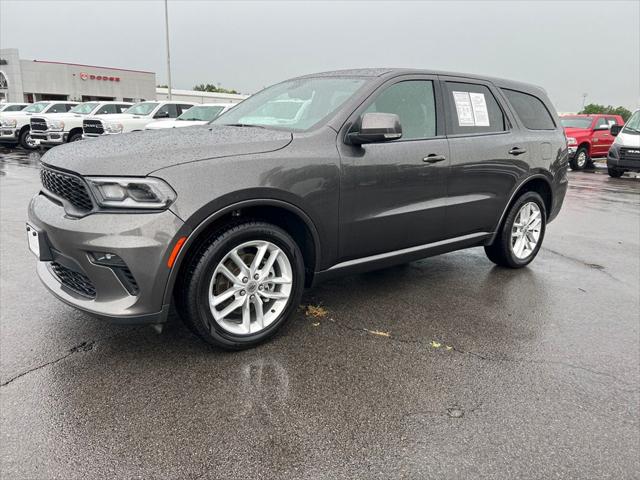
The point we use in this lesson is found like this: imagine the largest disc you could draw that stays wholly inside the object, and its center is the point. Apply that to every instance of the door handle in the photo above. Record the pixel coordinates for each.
(517, 151)
(433, 158)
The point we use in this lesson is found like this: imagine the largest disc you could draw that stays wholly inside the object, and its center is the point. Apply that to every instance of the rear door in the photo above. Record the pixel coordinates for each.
(392, 195)
(488, 156)
(601, 139)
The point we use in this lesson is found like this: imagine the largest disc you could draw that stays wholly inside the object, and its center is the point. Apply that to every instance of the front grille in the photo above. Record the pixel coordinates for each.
(67, 187)
(92, 127)
(73, 280)
(38, 124)
(630, 154)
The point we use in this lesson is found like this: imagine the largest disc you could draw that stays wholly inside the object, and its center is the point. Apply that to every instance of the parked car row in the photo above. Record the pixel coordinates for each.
(51, 123)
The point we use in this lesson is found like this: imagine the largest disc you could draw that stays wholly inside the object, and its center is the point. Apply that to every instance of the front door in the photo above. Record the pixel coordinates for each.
(601, 139)
(393, 194)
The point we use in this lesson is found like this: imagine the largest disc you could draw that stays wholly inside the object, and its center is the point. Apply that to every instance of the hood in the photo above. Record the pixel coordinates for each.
(117, 116)
(59, 116)
(140, 153)
(19, 115)
(629, 140)
(572, 131)
(173, 124)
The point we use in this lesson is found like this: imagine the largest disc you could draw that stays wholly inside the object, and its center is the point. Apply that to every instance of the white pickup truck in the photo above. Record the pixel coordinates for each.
(134, 119)
(56, 128)
(196, 115)
(15, 127)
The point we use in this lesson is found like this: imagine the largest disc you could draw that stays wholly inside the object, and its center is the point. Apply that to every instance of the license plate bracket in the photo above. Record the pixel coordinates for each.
(38, 243)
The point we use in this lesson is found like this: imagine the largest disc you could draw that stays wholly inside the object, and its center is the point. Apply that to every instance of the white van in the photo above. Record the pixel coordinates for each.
(624, 154)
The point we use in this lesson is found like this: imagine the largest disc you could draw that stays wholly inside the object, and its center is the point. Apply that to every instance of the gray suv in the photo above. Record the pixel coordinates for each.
(323, 175)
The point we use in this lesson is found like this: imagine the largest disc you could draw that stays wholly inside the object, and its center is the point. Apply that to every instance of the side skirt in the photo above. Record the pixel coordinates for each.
(398, 257)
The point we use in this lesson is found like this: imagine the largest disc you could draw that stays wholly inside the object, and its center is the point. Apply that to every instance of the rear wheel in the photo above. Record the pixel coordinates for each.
(615, 172)
(242, 286)
(521, 234)
(580, 159)
(26, 141)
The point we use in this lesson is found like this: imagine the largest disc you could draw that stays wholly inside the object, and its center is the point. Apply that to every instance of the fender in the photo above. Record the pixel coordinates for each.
(192, 234)
(512, 196)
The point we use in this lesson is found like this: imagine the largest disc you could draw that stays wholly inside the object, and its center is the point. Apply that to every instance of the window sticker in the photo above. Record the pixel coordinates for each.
(471, 109)
(480, 113)
(464, 109)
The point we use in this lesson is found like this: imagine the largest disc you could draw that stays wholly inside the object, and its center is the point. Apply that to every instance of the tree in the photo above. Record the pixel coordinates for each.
(593, 108)
(212, 88)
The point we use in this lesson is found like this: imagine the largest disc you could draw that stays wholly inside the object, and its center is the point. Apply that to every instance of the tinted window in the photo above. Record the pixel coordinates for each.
(106, 109)
(183, 108)
(170, 108)
(59, 108)
(601, 122)
(472, 109)
(531, 111)
(13, 108)
(413, 101)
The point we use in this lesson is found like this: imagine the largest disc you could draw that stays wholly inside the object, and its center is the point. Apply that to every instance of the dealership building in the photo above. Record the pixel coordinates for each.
(24, 80)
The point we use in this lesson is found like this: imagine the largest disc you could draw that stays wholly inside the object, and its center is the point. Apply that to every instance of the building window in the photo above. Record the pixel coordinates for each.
(3, 81)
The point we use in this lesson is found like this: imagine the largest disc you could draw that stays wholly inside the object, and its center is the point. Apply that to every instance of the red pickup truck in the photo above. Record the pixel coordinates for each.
(588, 137)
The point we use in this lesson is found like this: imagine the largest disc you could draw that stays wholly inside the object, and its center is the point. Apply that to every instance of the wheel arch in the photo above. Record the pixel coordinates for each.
(586, 144)
(73, 131)
(538, 183)
(281, 213)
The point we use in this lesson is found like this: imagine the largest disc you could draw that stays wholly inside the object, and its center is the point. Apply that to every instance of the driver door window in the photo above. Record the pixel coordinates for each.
(414, 103)
(169, 110)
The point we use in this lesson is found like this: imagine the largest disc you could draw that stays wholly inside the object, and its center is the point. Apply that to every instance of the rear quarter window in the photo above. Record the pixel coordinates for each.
(530, 109)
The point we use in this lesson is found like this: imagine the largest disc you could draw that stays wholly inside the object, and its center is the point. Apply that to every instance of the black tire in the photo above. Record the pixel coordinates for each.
(192, 286)
(500, 251)
(615, 172)
(24, 138)
(581, 159)
(74, 137)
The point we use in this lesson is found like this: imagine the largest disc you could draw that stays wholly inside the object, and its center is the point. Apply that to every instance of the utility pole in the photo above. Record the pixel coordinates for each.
(584, 98)
(166, 23)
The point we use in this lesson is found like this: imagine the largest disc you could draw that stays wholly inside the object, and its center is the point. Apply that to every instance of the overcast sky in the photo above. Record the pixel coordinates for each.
(569, 48)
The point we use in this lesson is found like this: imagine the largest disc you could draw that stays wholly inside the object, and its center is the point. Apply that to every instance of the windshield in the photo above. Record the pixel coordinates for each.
(293, 105)
(575, 122)
(144, 108)
(633, 124)
(36, 107)
(201, 113)
(84, 108)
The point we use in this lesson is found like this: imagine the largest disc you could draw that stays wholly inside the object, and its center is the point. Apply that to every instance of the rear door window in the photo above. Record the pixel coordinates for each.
(472, 108)
(530, 109)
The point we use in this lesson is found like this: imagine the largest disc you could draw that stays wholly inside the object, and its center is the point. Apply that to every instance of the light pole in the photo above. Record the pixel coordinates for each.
(166, 24)
(584, 98)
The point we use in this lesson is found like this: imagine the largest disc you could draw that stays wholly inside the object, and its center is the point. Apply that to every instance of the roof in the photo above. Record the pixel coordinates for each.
(198, 93)
(380, 72)
(93, 66)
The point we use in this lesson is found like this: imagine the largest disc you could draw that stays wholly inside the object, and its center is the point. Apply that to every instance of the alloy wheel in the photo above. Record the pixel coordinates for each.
(581, 160)
(250, 287)
(526, 229)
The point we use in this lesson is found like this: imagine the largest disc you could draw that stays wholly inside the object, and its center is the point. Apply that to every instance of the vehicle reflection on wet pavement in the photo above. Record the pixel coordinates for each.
(448, 367)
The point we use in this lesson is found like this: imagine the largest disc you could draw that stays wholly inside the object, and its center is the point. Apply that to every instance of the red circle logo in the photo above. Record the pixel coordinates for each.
(83, 76)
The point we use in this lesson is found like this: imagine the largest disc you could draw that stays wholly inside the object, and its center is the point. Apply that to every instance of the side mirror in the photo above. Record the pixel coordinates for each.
(161, 115)
(375, 127)
(615, 129)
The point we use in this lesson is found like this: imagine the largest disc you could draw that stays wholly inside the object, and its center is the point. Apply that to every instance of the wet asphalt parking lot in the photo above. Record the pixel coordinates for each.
(444, 368)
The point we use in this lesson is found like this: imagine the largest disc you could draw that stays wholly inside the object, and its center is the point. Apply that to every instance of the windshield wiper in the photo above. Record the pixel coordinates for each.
(242, 125)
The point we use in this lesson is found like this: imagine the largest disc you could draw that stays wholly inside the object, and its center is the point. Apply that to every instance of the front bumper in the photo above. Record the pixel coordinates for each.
(142, 240)
(50, 137)
(572, 150)
(9, 134)
(623, 164)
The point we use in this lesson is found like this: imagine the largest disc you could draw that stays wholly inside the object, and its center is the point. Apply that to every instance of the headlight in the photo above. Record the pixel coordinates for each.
(571, 141)
(113, 127)
(55, 124)
(121, 192)
(9, 122)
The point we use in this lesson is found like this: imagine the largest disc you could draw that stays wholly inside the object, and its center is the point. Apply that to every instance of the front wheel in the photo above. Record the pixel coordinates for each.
(242, 285)
(520, 237)
(615, 172)
(26, 141)
(74, 137)
(580, 159)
